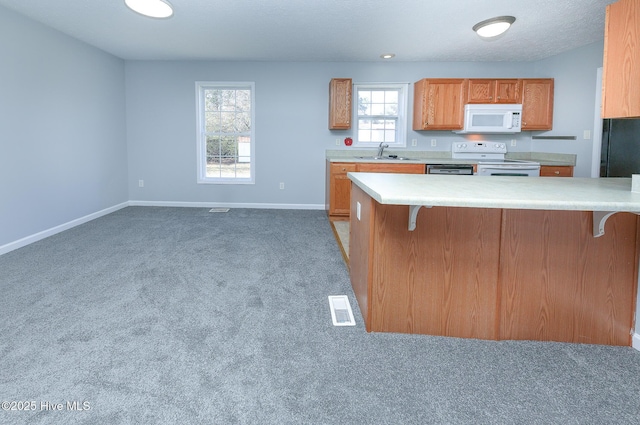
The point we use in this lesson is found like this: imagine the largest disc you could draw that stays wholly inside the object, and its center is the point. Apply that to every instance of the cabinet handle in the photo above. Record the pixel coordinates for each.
(556, 172)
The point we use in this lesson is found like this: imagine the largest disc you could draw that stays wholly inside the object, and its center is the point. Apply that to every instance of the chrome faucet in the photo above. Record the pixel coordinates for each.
(381, 148)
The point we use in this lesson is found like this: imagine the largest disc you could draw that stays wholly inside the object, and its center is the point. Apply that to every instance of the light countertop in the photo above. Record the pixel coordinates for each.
(443, 157)
(539, 193)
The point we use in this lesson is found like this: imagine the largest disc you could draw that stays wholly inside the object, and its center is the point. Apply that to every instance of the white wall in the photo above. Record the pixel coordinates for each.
(291, 124)
(62, 135)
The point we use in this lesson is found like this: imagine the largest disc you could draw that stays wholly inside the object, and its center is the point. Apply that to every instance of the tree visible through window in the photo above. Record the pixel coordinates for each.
(226, 141)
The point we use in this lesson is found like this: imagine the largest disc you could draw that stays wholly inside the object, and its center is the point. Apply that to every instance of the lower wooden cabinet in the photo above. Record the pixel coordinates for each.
(556, 171)
(339, 185)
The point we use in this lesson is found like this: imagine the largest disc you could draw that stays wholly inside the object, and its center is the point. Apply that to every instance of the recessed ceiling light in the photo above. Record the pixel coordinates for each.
(151, 8)
(494, 26)
(387, 55)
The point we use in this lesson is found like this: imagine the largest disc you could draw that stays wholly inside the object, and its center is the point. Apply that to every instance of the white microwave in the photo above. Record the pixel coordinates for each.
(492, 118)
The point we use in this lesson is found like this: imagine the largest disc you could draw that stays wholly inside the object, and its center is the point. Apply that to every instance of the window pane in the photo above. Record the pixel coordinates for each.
(243, 122)
(227, 122)
(391, 109)
(364, 124)
(212, 122)
(390, 136)
(377, 109)
(377, 96)
(391, 96)
(212, 100)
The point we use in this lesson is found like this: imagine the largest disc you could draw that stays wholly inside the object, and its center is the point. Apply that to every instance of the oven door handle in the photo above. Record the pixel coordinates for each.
(509, 167)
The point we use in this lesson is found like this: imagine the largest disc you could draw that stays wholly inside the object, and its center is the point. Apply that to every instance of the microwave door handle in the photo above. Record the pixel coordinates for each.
(508, 120)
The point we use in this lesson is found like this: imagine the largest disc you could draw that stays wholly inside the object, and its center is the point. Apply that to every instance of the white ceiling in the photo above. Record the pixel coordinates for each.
(325, 30)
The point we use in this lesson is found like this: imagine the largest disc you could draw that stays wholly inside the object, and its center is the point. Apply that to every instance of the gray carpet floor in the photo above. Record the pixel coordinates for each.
(181, 316)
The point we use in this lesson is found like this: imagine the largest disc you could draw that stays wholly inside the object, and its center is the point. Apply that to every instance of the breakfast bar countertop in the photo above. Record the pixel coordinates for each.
(536, 193)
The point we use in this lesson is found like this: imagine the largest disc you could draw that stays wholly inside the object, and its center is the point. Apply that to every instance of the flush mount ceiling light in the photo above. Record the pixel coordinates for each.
(494, 26)
(151, 8)
(387, 55)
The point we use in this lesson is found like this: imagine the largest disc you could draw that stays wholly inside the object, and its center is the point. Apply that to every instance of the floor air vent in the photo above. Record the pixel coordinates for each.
(219, 210)
(341, 313)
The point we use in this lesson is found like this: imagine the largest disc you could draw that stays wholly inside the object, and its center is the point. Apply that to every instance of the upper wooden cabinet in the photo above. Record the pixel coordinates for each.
(621, 71)
(438, 104)
(484, 90)
(340, 90)
(537, 104)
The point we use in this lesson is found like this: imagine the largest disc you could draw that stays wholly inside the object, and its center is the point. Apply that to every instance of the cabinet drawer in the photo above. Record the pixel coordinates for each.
(556, 171)
(342, 167)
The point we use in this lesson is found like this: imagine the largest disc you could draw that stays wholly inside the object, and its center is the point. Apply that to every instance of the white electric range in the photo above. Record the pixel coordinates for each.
(490, 157)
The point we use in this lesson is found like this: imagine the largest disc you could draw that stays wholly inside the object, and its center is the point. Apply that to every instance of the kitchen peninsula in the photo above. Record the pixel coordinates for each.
(496, 257)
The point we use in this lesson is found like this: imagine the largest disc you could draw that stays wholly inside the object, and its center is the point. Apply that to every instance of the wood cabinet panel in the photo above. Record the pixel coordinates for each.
(340, 94)
(508, 91)
(559, 283)
(440, 279)
(438, 104)
(556, 171)
(340, 188)
(360, 260)
(621, 69)
(483, 90)
(537, 104)
(370, 167)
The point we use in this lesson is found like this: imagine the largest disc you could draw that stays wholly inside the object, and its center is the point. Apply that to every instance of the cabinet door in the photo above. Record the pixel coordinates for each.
(438, 104)
(340, 104)
(556, 171)
(621, 69)
(481, 91)
(369, 167)
(537, 104)
(340, 189)
(507, 91)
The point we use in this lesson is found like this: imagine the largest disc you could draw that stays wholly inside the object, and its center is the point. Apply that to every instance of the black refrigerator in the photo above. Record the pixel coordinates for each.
(620, 154)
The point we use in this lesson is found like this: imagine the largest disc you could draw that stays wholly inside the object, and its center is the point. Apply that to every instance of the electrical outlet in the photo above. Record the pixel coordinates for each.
(513, 142)
(414, 142)
(587, 134)
(140, 183)
(337, 142)
(433, 142)
(281, 185)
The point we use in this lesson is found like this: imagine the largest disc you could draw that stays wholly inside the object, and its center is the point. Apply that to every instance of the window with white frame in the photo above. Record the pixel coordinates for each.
(226, 141)
(380, 112)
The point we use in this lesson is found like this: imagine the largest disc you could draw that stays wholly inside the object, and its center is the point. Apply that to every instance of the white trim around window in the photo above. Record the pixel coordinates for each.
(225, 115)
(380, 111)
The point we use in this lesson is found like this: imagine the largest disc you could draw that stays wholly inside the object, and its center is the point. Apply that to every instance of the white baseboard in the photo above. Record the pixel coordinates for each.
(57, 229)
(226, 205)
(635, 341)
